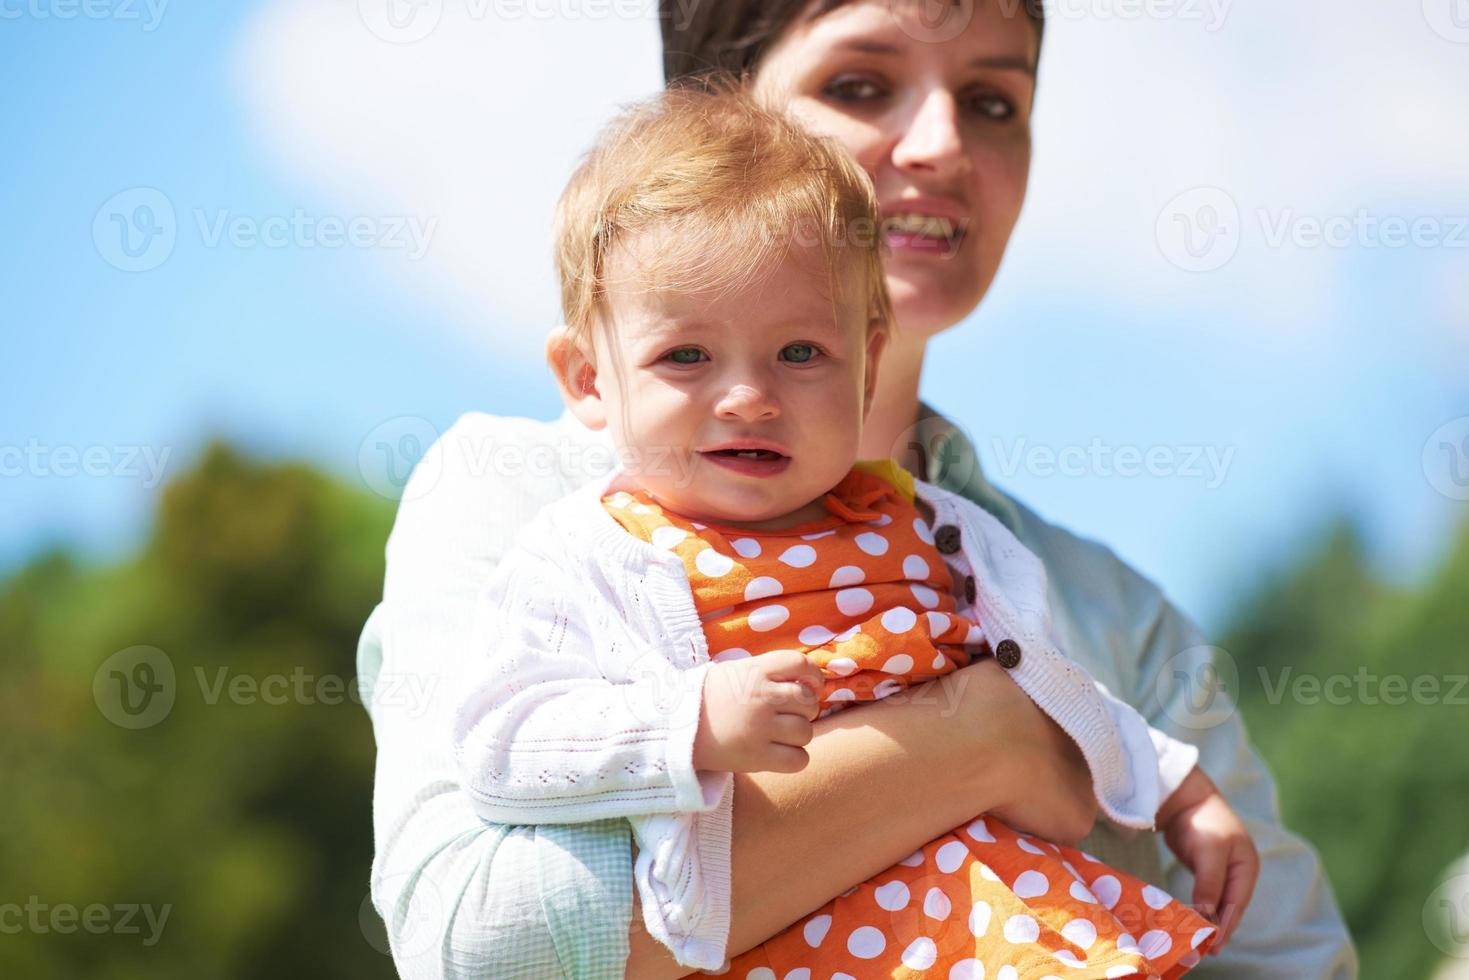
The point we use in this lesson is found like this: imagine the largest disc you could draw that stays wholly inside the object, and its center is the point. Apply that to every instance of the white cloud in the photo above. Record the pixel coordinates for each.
(1311, 109)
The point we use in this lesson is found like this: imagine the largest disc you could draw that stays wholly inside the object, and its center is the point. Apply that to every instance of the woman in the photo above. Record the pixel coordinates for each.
(937, 111)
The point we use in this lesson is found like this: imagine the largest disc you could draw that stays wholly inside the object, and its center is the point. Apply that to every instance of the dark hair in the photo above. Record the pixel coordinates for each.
(704, 37)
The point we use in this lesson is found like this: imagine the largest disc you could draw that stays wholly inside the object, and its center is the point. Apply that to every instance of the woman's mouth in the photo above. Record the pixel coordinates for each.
(751, 462)
(923, 233)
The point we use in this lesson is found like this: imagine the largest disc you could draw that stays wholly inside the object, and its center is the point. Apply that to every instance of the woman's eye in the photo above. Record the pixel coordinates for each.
(990, 106)
(680, 356)
(803, 352)
(850, 89)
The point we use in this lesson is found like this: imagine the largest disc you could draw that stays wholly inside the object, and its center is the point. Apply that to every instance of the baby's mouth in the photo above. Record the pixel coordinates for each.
(764, 454)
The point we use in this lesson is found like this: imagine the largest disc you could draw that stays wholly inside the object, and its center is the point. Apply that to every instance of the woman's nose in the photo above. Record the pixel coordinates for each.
(933, 140)
(748, 403)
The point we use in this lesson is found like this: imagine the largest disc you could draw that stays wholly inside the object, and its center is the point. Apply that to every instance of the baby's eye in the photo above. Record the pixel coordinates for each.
(676, 355)
(803, 352)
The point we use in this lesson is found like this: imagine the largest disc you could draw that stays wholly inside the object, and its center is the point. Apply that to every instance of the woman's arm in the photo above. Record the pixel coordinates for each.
(973, 730)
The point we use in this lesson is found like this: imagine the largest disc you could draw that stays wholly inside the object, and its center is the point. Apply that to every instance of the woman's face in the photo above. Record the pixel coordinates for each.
(939, 115)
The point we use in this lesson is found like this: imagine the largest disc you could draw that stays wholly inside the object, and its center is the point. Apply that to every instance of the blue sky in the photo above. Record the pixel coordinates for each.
(1315, 373)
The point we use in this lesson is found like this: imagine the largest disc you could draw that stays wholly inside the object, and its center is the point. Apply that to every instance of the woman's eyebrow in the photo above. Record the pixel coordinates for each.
(1003, 62)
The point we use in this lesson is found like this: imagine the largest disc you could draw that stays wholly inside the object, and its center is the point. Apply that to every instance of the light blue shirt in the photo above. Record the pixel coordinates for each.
(467, 899)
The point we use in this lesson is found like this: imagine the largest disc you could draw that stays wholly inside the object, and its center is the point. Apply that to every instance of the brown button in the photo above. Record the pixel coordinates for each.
(1007, 652)
(969, 588)
(947, 539)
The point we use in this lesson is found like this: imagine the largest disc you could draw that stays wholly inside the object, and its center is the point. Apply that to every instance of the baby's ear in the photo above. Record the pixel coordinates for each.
(877, 338)
(575, 369)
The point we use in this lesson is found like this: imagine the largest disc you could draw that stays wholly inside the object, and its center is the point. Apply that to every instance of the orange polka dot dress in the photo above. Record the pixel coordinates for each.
(867, 596)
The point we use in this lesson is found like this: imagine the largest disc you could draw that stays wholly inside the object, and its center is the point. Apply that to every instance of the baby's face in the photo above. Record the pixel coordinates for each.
(685, 376)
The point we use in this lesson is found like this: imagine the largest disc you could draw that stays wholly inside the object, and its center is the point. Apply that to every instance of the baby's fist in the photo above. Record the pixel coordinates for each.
(757, 713)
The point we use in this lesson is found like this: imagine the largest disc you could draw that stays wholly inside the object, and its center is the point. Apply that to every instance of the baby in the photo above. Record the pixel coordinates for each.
(741, 573)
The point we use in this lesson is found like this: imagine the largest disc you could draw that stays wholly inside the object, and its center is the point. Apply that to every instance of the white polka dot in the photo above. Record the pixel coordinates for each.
(936, 905)
(1121, 971)
(815, 636)
(1107, 889)
(839, 975)
(1200, 935)
(1069, 958)
(1082, 893)
(815, 930)
(927, 598)
(761, 973)
(939, 661)
(866, 942)
(762, 587)
(698, 526)
(881, 520)
(1127, 944)
(1007, 972)
(1156, 898)
(899, 620)
(979, 918)
(841, 694)
(892, 896)
(767, 618)
(814, 535)
(733, 653)
(872, 543)
(848, 633)
(1025, 845)
(1155, 943)
(641, 509)
(915, 567)
(1072, 868)
(666, 536)
(854, 602)
(618, 500)
(920, 954)
(846, 575)
(937, 623)
(712, 563)
(746, 547)
(799, 973)
(980, 831)
(1189, 959)
(967, 970)
(1021, 929)
(887, 688)
(798, 555)
(975, 636)
(900, 664)
(950, 857)
(1030, 884)
(987, 873)
(921, 529)
(1080, 932)
(841, 666)
(912, 860)
(1090, 858)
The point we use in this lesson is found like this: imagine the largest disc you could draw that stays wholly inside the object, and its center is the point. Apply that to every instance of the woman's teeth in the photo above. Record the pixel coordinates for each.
(927, 225)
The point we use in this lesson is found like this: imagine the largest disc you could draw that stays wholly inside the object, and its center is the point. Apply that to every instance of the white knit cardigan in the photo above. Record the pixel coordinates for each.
(585, 690)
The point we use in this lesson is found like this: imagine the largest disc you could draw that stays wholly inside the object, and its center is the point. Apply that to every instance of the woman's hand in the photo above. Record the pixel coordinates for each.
(1046, 784)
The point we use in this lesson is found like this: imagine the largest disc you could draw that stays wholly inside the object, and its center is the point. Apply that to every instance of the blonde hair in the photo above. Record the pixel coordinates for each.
(737, 183)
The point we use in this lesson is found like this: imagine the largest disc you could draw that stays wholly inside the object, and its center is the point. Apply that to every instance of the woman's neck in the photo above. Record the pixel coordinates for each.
(889, 427)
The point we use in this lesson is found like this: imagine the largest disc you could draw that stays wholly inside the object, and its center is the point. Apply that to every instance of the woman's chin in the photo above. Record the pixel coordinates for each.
(927, 304)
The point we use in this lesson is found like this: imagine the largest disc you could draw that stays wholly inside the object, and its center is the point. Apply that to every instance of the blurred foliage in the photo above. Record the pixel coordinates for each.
(250, 820)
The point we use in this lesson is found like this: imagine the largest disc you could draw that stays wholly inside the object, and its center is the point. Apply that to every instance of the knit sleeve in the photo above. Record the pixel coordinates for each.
(542, 736)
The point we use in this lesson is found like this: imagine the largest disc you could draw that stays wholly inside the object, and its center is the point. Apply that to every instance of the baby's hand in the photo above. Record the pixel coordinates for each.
(758, 713)
(1210, 839)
